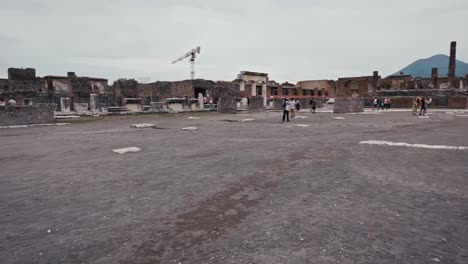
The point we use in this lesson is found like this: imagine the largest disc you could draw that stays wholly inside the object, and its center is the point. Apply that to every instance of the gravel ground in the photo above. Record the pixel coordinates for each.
(236, 192)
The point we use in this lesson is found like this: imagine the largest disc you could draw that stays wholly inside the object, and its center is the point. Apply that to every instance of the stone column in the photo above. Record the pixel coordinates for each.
(452, 61)
(375, 80)
(94, 102)
(264, 94)
(434, 77)
(242, 86)
(254, 89)
(200, 101)
(65, 104)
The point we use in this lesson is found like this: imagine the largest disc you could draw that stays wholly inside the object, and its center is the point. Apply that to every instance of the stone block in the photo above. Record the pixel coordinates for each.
(27, 115)
(348, 105)
(227, 105)
(256, 104)
(65, 105)
(80, 107)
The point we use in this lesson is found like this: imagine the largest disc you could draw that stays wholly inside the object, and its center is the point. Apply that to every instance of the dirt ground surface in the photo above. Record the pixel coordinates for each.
(236, 192)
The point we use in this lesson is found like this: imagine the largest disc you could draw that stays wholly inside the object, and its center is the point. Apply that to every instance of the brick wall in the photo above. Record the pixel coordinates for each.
(456, 102)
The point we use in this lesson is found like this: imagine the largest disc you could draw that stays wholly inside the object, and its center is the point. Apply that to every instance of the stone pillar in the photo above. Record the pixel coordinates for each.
(200, 101)
(254, 89)
(264, 94)
(242, 86)
(452, 61)
(434, 76)
(65, 104)
(243, 102)
(375, 80)
(94, 102)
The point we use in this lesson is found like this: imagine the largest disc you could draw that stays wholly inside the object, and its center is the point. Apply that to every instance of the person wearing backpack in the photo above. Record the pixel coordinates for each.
(286, 108)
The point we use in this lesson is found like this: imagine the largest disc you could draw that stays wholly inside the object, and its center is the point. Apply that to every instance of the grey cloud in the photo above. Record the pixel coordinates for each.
(291, 40)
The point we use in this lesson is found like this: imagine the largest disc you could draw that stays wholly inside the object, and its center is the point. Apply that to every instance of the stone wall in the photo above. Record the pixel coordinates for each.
(21, 74)
(457, 102)
(26, 115)
(256, 104)
(348, 105)
(227, 104)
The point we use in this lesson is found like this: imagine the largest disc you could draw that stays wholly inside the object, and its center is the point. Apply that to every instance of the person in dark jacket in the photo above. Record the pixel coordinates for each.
(286, 108)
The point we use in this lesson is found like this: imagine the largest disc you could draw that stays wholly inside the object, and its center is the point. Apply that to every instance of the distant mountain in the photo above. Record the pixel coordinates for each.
(423, 67)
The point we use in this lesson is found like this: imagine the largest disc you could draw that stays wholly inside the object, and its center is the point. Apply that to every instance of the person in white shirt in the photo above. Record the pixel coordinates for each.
(292, 106)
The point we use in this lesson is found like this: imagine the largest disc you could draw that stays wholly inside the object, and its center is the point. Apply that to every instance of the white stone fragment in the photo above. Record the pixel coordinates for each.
(302, 117)
(374, 142)
(190, 128)
(339, 118)
(301, 125)
(193, 117)
(433, 146)
(18, 126)
(66, 117)
(402, 144)
(247, 120)
(144, 125)
(399, 144)
(127, 150)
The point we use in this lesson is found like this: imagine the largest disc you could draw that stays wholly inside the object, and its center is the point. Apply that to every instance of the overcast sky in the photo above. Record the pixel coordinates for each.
(291, 40)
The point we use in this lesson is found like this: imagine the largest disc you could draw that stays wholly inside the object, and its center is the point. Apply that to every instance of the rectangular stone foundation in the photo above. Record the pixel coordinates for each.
(256, 104)
(27, 115)
(227, 105)
(348, 106)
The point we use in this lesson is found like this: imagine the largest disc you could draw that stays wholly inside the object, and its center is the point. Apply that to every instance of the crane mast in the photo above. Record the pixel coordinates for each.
(192, 55)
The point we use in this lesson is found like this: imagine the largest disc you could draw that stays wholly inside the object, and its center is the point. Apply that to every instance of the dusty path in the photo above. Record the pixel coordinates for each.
(236, 192)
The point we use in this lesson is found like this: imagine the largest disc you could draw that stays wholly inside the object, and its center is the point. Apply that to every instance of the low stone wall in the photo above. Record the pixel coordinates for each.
(348, 106)
(457, 102)
(256, 104)
(227, 105)
(26, 115)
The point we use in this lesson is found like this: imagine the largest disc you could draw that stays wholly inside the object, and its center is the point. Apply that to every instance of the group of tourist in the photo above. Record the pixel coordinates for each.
(382, 103)
(10, 102)
(422, 104)
(290, 106)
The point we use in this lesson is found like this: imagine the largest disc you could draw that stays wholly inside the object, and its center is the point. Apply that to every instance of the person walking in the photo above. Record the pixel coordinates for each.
(313, 105)
(292, 108)
(428, 103)
(286, 109)
(375, 103)
(389, 103)
(423, 106)
(298, 105)
(414, 109)
(385, 103)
